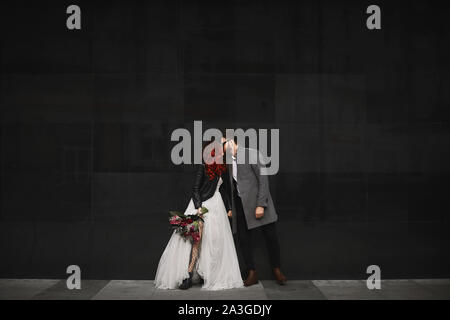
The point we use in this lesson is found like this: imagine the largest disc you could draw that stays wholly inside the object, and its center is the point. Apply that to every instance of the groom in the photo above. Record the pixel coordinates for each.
(252, 208)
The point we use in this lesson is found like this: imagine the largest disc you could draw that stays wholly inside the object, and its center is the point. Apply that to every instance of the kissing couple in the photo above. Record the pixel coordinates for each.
(236, 191)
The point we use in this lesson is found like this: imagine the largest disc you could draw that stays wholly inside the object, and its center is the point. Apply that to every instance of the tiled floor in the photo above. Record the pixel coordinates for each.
(294, 290)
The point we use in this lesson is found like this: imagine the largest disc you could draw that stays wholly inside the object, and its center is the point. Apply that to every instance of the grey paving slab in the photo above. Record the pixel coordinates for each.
(59, 291)
(407, 290)
(23, 289)
(439, 292)
(255, 292)
(390, 290)
(439, 288)
(432, 282)
(347, 290)
(293, 290)
(267, 289)
(126, 290)
(193, 293)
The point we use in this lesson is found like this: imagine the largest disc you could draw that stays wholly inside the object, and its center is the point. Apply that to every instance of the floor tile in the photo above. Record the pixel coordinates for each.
(127, 290)
(18, 289)
(346, 290)
(293, 290)
(59, 291)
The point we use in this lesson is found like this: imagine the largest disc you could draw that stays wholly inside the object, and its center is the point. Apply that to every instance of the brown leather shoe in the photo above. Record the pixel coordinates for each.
(251, 278)
(279, 276)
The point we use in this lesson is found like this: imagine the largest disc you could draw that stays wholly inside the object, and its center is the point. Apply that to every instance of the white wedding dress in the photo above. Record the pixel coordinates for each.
(217, 263)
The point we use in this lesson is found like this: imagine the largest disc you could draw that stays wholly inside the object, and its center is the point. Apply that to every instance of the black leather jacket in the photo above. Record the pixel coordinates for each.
(204, 188)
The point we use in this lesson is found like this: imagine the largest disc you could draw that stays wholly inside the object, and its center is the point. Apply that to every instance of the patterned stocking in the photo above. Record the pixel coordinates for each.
(195, 250)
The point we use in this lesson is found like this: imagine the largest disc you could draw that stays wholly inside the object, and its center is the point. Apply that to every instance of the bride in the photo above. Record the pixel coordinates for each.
(213, 258)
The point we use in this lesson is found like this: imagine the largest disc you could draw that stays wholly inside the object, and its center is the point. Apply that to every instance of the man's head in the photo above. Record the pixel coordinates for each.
(229, 146)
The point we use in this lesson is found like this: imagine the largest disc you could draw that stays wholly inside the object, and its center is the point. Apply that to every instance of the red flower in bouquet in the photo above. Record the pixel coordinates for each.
(174, 220)
(187, 225)
(195, 236)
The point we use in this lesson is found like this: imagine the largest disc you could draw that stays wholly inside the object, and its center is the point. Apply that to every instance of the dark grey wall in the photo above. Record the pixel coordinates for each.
(364, 122)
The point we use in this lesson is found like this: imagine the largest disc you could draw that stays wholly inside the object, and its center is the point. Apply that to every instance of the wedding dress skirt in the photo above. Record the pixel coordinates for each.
(217, 263)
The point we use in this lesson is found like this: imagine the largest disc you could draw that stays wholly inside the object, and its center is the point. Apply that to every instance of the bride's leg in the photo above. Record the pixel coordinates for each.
(187, 283)
(195, 249)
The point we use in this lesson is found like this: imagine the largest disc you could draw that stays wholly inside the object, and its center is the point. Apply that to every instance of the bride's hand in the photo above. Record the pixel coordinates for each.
(199, 210)
(230, 213)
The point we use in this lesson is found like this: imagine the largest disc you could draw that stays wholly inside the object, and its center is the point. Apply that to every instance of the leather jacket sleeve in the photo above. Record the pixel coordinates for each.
(225, 191)
(198, 180)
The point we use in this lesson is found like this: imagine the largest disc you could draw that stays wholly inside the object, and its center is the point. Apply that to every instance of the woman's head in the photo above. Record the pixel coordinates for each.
(213, 157)
(213, 153)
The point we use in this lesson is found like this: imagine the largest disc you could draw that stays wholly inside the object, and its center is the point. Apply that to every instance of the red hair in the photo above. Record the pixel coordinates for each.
(215, 169)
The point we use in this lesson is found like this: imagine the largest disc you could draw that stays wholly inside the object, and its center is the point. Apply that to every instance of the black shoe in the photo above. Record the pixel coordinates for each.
(187, 283)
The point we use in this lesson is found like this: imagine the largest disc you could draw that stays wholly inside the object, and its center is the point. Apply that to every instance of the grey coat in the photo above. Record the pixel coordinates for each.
(254, 192)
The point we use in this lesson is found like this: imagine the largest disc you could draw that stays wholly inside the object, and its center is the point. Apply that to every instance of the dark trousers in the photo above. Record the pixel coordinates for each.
(245, 236)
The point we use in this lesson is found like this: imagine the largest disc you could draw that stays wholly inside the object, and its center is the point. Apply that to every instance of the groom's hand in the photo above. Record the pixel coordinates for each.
(230, 214)
(259, 212)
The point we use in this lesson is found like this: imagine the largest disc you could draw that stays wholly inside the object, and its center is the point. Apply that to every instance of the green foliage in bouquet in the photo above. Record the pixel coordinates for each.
(187, 225)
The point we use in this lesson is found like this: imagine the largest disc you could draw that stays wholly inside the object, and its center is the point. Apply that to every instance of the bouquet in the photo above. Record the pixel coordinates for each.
(187, 225)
